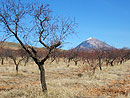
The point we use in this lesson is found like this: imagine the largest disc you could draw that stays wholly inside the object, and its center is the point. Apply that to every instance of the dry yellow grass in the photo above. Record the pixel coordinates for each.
(65, 82)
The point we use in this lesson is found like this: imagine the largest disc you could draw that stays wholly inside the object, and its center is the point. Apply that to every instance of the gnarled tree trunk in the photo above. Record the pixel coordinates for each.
(42, 78)
(2, 61)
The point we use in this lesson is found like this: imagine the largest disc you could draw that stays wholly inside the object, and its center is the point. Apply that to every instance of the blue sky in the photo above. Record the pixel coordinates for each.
(106, 20)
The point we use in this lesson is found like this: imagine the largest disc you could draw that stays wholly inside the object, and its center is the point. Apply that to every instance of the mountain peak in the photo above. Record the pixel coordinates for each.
(90, 38)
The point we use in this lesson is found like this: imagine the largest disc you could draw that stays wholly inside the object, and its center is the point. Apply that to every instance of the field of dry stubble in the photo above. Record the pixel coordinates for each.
(65, 82)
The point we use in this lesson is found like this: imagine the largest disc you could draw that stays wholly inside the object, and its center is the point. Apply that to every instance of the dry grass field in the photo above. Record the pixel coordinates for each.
(65, 82)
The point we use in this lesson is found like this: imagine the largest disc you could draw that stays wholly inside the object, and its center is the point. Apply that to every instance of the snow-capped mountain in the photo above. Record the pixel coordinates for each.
(93, 43)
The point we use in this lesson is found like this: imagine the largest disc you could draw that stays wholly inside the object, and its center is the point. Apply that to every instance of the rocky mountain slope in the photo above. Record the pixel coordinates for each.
(93, 43)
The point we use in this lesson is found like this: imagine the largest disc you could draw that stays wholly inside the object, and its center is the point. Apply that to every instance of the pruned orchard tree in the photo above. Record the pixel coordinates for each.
(2, 56)
(17, 56)
(32, 24)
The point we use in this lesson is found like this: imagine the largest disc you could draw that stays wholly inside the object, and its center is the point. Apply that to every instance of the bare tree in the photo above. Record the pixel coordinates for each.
(73, 55)
(111, 56)
(34, 24)
(2, 56)
(17, 57)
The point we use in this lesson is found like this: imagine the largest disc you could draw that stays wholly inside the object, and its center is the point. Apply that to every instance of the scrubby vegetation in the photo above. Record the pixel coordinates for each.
(81, 79)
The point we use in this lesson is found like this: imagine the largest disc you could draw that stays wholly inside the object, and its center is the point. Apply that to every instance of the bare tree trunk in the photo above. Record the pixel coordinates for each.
(107, 62)
(111, 63)
(100, 64)
(42, 78)
(26, 61)
(76, 62)
(68, 62)
(17, 68)
(2, 62)
(16, 64)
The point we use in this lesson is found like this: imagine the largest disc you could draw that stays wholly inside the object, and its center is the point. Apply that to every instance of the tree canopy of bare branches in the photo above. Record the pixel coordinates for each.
(32, 24)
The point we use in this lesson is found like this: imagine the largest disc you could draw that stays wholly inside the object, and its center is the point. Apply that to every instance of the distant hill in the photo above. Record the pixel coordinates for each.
(93, 43)
(10, 45)
(15, 46)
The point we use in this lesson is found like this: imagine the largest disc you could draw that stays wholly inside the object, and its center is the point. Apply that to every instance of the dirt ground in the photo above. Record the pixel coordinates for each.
(65, 82)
